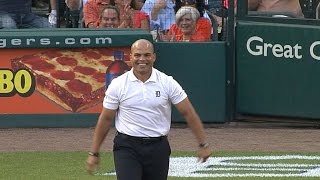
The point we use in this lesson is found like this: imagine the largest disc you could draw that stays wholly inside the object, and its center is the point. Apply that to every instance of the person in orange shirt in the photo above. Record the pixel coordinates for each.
(129, 9)
(189, 26)
(92, 10)
(109, 18)
(73, 6)
(203, 23)
(130, 17)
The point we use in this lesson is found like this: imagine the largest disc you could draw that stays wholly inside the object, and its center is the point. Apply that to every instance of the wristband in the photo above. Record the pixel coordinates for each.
(93, 154)
(203, 145)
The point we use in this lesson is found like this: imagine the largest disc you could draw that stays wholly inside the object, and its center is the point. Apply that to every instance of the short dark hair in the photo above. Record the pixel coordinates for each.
(111, 7)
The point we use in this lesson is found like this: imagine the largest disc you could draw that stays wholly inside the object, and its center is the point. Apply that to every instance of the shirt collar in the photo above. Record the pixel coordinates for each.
(152, 78)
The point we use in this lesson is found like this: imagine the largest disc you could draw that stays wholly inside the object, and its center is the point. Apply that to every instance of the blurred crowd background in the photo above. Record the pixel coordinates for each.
(166, 20)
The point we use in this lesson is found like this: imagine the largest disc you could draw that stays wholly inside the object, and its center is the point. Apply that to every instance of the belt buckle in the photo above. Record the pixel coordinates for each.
(146, 138)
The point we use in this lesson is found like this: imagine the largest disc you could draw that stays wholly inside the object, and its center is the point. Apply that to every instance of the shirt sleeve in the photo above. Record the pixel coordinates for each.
(90, 13)
(173, 30)
(176, 93)
(139, 17)
(111, 99)
(203, 28)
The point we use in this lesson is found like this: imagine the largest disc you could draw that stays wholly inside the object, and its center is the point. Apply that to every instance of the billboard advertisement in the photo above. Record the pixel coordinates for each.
(277, 69)
(58, 80)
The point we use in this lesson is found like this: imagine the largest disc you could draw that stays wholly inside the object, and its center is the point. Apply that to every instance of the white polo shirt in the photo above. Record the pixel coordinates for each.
(143, 108)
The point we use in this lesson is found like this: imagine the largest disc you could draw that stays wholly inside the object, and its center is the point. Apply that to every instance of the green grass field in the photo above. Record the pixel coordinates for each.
(71, 165)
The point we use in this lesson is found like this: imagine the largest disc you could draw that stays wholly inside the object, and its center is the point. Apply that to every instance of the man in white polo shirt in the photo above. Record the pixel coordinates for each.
(140, 102)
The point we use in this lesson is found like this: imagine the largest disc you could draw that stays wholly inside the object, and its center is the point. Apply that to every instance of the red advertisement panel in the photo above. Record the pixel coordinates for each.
(45, 81)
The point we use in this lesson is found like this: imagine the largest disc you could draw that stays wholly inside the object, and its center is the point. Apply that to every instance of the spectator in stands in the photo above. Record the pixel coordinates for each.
(18, 14)
(219, 9)
(161, 13)
(137, 4)
(92, 10)
(74, 14)
(185, 28)
(110, 18)
(73, 5)
(203, 24)
(277, 7)
(137, 18)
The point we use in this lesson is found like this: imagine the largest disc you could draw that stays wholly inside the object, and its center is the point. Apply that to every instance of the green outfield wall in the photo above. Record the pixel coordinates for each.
(199, 67)
(277, 69)
(201, 70)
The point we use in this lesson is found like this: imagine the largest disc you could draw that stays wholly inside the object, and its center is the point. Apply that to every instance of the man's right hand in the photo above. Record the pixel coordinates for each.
(92, 164)
(159, 4)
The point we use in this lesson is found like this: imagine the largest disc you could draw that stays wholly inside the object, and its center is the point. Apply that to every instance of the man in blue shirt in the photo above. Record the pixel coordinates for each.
(161, 13)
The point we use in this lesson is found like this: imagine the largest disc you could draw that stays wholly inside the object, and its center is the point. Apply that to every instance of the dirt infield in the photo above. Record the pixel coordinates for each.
(236, 137)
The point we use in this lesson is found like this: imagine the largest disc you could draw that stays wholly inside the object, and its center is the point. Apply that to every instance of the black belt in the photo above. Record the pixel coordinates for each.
(141, 139)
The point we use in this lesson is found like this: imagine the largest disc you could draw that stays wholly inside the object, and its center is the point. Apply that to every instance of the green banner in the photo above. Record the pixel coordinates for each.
(70, 38)
(201, 70)
(278, 66)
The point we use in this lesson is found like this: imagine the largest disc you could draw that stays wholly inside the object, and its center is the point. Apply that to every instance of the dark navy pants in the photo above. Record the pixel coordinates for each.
(139, 158)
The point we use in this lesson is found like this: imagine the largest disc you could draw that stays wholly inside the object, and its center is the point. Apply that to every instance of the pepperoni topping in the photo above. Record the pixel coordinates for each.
(63, 75)
(84, 70)
(105, 51)
(100, 77)
(38, 64)
(33, 60)
(67, 61)
(106, 62)
(53, 54)
(43, 66)
(79, 86)
(92, 54)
